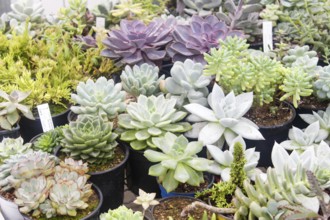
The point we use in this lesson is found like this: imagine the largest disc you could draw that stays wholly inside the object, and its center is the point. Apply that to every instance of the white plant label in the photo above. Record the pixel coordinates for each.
(100, 22)
(45, 117)
(267, 35)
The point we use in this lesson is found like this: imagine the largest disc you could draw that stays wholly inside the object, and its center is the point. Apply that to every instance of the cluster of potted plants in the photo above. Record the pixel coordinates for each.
(170, 104)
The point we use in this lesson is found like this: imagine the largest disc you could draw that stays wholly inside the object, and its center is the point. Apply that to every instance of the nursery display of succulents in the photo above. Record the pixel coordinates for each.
(11, 108)
(224, 120)
(150, 117)
(137, 43)
(141, 80)
(13, 146)
(201, 8)
(187, 84)
(101, 98)
(89, 138)
(198, 37)
(27, 9)
(177, 162)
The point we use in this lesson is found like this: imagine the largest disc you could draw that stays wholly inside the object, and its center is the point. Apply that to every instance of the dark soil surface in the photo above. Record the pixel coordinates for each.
(313, 103)
(186, 188)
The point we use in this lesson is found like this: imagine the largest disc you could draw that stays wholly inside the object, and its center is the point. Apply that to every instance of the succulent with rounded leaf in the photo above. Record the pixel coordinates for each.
(187, 83)
(137, 43)
(298, 52)
(224, 119)
(101, 98)
(178, 162)
(77, 166)
(323, 117)
(141, 80)
(90, 139)
(27, 9)
(13, 146)
(121, 213)
(322, 84)
(198, 37)
(11, 108)
(296, 83)
(271, 13)
(145, 199)
(48, 140)
(300, 140)
(200, 7)
(223, 160)
(150, 117)
(32, 193)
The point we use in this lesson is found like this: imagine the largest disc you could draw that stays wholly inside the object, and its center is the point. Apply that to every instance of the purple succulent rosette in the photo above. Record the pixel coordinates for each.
(137, 43)
(193, 40)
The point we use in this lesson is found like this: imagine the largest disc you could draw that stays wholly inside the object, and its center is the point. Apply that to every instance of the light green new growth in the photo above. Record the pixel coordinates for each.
(121, 213)
(271, 13)
(13, 146)
(141, 80)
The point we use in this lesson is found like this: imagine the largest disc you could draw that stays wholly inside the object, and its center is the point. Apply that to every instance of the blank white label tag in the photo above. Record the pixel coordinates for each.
(100, 22)
(45, 117)
(267, 34)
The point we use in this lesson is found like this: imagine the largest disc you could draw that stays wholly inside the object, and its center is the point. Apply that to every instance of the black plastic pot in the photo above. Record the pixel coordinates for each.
(137, 173)
(30, 128)
(271, 134)
(111, 183)
(10, 210)
(14, 133)
(298, 121)
(166, 69)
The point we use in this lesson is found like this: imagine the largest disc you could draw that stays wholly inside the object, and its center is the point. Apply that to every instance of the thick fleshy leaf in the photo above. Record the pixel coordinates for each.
(138, 145)
(201, 111)
(247, 131)
(157, 170)
(308, 118)
(244, 102)
(169, 182)
(221, 157)
(181, 174)
(193, 148)
(199, 164)
(155, 156)
(170, 164)
(210, 133)
(281, 158)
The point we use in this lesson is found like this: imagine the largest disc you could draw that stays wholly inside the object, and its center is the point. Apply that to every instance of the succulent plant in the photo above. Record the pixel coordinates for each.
(77, 166)
(121, 213)
(236, 68)
(224, 119)
(137, 43)
(48, 140)
(150, 117)
(300, 140)
(13, 146)
(90, 139)
(66, 198)
(298, 52)
(269, 200)
(178, 162)
(141, 80)
(18, 168)
(201, 8)
(187, 83)
(193, 40)
(145, 199)
(242, 16)
(11, 108)
(102, 98)
(272, 13)
(104, 9)
(27, 9)
(32, 193)
(323, 117)
(296, 83)
(223, 160)
(322, 84)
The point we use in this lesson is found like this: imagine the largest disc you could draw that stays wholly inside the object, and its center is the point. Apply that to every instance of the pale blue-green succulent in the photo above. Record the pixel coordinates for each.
(27, 9)
(187, 83)
(150, 117)
(200, 7)
(322, 84)
(121, 213)
(177, 162)
(12, 146)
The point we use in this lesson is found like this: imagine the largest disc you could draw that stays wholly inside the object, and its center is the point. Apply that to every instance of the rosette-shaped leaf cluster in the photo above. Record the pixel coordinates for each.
(322, 84)
(298, 52)
(187, 83)
(224, 119)
(48, 140)
(137, 43)
(141, 80)
(150, 117)
(90, 139)
(198, 37)
(223, 160)
(102, 98)
(32, 193)
(178, 162)
(200, 7)
(13, 146)
(323, 117)
(121, 213)
(27, 9)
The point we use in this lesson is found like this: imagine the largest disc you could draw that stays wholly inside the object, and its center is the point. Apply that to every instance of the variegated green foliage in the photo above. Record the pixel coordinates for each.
(13, 146)
(187, 83)
(224, 120)
(177, 162)
(90, 139)
(141, 80)
(101, 98)
(150, 117)
(121, 213)
(11, 108)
